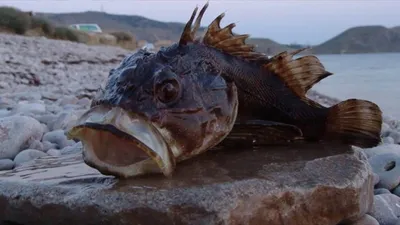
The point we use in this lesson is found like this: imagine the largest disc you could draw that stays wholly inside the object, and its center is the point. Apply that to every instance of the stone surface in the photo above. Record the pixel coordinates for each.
(366, 220)
(6, 164)
(386, 209)
(278, 185)
(387, 167)
(17, 132)
(28, 155)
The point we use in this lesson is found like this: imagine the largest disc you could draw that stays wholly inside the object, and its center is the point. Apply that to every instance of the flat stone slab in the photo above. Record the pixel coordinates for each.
(297, 184)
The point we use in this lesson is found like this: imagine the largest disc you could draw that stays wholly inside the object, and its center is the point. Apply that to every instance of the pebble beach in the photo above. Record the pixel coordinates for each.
(45, 85)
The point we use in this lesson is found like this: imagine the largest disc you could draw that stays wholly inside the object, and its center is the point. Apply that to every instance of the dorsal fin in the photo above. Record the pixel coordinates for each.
(219, 38)
(298, 74)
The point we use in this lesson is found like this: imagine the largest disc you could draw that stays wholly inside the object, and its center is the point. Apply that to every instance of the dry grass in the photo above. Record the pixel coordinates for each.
(15, 21)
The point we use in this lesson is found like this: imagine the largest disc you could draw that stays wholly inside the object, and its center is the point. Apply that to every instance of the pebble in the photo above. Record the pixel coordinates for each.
(54, 152)
(396, 191)
(36, 144)
(381, 149)
(76, 148)
(24, 108)
(58, 137)
(28, 155)
(379, 191)
(6, 164)
(387, 166)
(366, 220)
(386, 209)
(47, 145)
(16, 133)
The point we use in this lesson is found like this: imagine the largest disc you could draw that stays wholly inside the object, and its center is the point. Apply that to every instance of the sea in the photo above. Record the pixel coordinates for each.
(374, 77)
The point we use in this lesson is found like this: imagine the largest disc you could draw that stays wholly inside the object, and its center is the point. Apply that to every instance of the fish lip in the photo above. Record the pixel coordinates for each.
(121, 124)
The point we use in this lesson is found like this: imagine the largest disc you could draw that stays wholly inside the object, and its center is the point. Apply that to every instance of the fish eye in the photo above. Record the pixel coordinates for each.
(168, 91)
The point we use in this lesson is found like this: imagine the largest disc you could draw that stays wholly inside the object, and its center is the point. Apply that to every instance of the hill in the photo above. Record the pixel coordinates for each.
(364, 39)
(143, 28)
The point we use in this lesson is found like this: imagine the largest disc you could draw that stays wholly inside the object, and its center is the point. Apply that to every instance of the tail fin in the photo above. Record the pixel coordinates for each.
(356, 122)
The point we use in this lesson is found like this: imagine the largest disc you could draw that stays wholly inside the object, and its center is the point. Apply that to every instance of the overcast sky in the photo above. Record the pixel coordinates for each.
(307, 22)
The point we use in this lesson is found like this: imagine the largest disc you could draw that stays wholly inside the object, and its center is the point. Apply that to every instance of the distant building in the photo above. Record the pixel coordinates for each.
(87, 27)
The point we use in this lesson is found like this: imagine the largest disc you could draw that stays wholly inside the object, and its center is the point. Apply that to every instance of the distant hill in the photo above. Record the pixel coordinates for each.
(364, 39)
(144, 28)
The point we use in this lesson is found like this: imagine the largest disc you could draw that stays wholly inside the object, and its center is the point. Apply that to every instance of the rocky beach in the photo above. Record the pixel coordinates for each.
(45, 85)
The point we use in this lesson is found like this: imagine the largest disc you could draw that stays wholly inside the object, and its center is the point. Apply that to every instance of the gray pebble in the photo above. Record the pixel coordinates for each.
(58, 137)
(388, 140)
(386, 209)
(48, 145)
(36, 144)
(28, 155)
(387, 166)
(6, 164)
(84, 102)
(382, 149)
(380, 191)
(396, 191)
(375, 178)
(76, 148)
(54, 152)
(366, 220)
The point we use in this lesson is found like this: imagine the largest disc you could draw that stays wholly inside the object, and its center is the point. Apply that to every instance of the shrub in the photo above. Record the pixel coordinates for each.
(14, 20)
(65, 33)
(122, 36)
(44, 25)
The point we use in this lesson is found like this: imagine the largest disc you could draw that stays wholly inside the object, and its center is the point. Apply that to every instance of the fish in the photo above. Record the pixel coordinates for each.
(158, 109)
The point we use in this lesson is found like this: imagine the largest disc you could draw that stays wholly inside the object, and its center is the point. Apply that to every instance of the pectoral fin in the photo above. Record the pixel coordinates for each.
(261, 132)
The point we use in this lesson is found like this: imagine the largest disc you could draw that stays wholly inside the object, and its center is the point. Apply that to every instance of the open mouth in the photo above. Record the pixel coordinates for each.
(120, 143)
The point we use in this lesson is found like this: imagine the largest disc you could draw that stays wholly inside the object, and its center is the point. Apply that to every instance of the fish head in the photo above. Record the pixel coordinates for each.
(154, 111)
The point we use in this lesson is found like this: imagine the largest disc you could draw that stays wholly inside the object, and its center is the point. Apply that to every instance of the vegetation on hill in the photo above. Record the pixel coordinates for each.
(13, 20)
(365, 39)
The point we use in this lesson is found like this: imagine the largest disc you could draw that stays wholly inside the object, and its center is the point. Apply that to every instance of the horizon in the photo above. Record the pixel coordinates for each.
(286, 29)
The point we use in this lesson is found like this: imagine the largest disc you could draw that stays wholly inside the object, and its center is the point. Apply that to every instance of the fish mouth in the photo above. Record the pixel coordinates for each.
(121, 143)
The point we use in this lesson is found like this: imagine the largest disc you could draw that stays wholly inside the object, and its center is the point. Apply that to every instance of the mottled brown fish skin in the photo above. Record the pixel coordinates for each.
(275, 89)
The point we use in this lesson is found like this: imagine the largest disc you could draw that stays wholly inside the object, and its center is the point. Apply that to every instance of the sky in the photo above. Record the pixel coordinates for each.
(285, 21)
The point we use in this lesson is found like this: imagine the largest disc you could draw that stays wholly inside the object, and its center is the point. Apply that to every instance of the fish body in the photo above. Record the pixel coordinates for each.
(161, 108)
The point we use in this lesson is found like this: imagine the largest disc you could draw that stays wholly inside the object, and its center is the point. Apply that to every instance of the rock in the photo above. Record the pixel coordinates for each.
(395, 135)
(375, 178)
(76, 148)
(6, 164)
(388, 169)
(16, 133)
(66, 120)
(54, 152)
(68, 100)
(58, 137)
(28, 155)
(36, 144)
(386, 209)
(48, 145)
(305, 184)
(396, 191)
(4, 113)
(84, 102)
(366, 220)
(382, 149)
(24, 108)
(380, 191)
(388, 140)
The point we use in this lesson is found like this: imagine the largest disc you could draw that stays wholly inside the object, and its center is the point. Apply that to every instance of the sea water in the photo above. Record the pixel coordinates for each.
(374, 77)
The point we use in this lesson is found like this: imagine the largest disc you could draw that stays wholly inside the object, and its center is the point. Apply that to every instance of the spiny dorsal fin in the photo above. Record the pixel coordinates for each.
(298, 74)
(219, 38)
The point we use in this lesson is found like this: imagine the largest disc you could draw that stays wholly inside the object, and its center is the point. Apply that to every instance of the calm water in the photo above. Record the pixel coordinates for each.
(374, 77)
